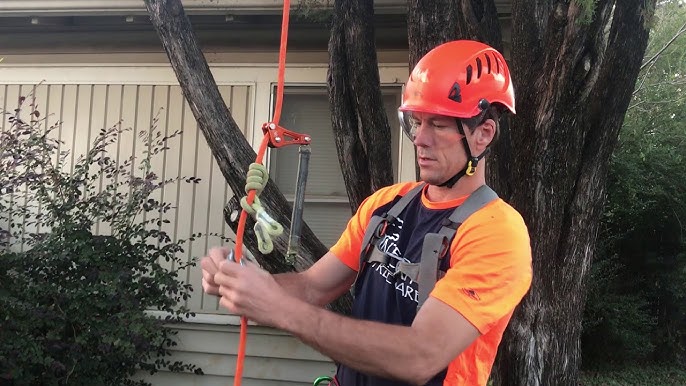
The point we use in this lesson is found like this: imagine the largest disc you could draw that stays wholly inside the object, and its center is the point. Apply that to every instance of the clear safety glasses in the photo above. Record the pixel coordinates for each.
(408, 124)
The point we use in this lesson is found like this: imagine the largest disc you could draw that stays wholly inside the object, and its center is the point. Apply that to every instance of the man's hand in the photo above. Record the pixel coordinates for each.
(250, 291)
(210, 267)
(245, 288)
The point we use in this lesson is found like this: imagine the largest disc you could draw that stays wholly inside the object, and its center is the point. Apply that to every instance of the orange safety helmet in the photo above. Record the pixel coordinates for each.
(459, 79)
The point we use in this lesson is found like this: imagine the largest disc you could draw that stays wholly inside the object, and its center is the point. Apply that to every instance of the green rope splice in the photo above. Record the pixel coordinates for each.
(265, 226)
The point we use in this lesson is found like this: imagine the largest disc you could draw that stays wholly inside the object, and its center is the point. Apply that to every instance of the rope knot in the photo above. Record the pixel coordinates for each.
(265, 226)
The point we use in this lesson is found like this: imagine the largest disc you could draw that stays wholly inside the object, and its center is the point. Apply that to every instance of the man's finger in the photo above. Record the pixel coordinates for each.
(229, 268)
(208, 265)
(233, 269)
(229, 305)
(218, 255)
(209, 288)
(208, 276)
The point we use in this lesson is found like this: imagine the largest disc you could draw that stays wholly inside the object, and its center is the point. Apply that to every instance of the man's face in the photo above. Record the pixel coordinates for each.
(440, 152)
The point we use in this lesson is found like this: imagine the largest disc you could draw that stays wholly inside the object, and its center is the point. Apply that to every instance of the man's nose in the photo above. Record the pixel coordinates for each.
(422, 135)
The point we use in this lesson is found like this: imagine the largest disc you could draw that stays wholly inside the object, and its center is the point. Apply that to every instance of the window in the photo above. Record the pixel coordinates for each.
(306, 110)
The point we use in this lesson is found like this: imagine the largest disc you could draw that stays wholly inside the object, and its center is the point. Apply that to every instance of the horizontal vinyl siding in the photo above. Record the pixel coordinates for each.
(176, 379)
(272, 358)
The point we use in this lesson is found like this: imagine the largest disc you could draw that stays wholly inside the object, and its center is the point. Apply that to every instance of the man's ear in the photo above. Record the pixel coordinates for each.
(485, 134)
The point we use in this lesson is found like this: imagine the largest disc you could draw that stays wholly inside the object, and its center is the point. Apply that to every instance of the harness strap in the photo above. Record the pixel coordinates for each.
(435, 246)
(378, 256)
(377, 227)
(474, 202)
(377, 224)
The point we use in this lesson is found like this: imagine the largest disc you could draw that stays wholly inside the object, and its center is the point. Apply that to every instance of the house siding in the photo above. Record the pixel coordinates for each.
(88, 95)
(272, 357)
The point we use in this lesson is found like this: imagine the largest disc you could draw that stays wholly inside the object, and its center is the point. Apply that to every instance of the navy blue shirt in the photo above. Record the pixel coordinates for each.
(384, 297)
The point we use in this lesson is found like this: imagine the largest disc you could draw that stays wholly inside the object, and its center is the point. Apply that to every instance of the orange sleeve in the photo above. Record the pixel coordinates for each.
(490, 266)
(348, 246)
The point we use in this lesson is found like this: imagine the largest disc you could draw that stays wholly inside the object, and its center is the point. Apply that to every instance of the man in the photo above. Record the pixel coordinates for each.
(450, 109)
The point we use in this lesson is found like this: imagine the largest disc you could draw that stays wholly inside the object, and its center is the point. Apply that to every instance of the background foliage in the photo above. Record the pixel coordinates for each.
(636, 310)
(72, 304)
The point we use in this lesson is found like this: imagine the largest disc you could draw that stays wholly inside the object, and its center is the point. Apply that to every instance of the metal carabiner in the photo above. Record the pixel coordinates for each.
(232, 258)
(246, 256)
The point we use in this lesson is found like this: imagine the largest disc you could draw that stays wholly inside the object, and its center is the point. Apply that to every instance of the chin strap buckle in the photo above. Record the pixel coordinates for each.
(471, 166)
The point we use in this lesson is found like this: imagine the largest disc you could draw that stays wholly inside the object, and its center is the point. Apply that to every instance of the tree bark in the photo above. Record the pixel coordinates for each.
(432, 22)
(573, 84)
(228, 145)
(361, 129)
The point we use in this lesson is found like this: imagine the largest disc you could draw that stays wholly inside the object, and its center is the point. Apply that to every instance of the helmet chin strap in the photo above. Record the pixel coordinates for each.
(472, 161)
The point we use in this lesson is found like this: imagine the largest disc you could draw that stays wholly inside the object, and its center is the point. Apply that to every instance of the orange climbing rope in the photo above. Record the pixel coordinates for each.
(267, 140)
(239, 247)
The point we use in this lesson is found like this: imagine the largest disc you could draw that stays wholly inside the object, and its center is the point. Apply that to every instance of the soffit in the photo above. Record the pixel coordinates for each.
(34, 8)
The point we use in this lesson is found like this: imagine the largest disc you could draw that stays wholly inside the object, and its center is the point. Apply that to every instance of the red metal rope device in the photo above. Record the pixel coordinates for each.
(275, 136)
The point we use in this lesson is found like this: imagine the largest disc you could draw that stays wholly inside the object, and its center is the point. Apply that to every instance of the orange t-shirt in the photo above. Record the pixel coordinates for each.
(490, 268)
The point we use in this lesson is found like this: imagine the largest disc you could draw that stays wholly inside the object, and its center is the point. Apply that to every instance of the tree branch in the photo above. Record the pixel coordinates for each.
(344, 120)
(226, 141)
(681, 30)
(654, 58)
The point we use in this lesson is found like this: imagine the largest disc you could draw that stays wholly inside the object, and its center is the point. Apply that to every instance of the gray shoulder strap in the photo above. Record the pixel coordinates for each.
(474, 202)
(437, 246)
(376, 221)
(405, 200)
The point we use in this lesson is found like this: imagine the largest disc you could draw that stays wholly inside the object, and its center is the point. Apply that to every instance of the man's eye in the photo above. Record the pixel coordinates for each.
(441, 125)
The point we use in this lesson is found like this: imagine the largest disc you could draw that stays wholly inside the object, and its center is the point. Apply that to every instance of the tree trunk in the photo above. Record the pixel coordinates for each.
(361, 129)
(228, 145)
(573, 83)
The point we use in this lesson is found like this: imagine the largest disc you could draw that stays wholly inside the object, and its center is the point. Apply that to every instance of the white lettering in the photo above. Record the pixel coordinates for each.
(388, 244)
(408, 291)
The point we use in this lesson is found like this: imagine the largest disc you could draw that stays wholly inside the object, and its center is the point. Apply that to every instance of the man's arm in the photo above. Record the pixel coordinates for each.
(417, 353)
(322, 283)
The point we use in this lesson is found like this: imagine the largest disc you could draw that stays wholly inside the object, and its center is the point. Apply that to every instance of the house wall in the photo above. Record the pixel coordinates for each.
(87, 92)
(272, 358)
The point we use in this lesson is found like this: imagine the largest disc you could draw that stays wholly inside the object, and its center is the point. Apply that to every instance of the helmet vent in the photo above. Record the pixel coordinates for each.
(469, 74)
(478, 68)
(488, 62)
(497, 66)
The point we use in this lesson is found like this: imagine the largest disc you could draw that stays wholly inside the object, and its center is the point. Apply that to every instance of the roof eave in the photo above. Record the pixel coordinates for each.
(36, 8)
